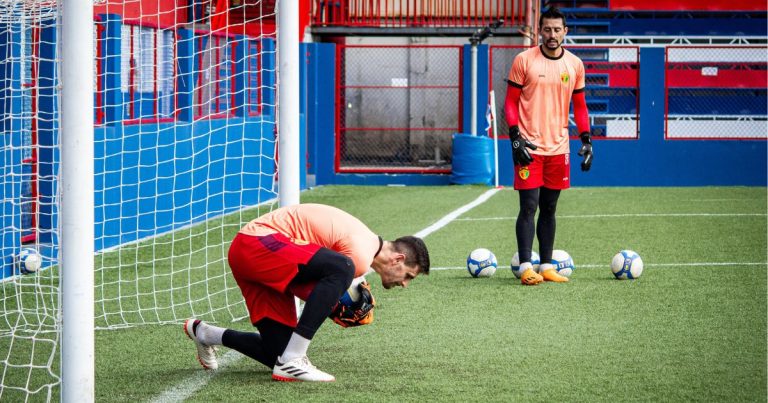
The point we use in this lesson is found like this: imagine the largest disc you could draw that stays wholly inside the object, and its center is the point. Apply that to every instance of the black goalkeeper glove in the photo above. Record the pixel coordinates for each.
(359, 313)
(519, 144)
(586, 151)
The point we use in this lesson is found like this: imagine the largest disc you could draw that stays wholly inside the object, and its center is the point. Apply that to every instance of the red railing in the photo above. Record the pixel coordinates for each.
(418, 13)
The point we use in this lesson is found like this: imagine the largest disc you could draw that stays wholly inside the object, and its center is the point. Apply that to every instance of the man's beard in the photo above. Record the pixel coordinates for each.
(552, 42)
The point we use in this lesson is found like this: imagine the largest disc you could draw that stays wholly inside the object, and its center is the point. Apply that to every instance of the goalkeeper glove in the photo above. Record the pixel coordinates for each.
(519, 144)
(586, 151)
(359, 313)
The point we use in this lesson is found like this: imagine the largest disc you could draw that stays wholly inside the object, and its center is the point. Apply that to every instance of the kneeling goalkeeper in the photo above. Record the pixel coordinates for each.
(313, 252)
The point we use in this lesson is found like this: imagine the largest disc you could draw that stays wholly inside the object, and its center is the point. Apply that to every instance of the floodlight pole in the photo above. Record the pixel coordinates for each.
(76, 195)
(476, 39)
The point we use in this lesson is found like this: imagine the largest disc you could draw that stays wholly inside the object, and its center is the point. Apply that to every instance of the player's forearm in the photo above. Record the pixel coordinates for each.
(580, 111)
(512, 105)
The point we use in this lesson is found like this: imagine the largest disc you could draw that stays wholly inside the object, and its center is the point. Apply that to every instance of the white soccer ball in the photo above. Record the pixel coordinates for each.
(28, 261)
(627, 265)
(563, 262)
(481, 263)
(515, 265)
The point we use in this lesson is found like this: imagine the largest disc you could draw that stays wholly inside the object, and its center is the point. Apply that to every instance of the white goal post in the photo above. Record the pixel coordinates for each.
(77, 193)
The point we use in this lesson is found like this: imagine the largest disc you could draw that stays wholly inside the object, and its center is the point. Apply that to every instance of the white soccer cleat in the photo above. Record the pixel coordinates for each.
(206, 354)
(299, 369)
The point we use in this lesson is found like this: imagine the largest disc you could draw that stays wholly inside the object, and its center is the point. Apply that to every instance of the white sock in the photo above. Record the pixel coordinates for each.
(209, 334)
(545, 266)
(297, 347)
(525, 266)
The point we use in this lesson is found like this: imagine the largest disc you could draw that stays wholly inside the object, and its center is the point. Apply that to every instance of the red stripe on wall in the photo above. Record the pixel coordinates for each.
(717, 78)
(689, 5)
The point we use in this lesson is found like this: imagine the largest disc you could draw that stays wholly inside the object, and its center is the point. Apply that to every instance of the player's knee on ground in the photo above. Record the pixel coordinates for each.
(274, 338)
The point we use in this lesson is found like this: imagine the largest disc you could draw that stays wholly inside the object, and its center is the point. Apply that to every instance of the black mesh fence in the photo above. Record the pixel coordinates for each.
(398, 107)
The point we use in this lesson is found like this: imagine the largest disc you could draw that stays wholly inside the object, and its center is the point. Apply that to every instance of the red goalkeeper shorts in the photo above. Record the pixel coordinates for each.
(263, 267)
(550, 171)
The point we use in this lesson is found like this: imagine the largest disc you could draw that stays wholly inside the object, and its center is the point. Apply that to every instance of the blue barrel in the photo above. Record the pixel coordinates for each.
(472, 160)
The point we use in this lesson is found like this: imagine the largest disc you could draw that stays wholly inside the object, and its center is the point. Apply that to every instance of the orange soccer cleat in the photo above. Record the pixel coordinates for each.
(530, 277)
(550, 274)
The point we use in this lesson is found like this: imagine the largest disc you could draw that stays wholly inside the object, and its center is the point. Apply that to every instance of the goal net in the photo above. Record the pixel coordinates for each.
(185, 153)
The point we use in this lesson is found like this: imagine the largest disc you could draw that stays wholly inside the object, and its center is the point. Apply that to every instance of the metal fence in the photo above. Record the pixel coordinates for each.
(397, 107)
(716, 92)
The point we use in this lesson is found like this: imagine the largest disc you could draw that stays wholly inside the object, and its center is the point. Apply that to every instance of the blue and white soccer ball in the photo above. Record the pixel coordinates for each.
(28, 261)
(563, 262)
(515, 265)
(627, 265)
(481, 263)
(352, 295)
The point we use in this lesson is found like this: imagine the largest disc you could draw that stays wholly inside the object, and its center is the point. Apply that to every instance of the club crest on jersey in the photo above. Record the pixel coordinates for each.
(524, 173)
(564, 77)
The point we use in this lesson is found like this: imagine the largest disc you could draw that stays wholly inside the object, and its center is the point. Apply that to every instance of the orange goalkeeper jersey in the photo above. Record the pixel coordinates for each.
(321, 225)
(547, 85)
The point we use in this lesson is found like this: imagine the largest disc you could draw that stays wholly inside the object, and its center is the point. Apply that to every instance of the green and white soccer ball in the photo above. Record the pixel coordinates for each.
(481, 262)
(28, 261)
(627, 265)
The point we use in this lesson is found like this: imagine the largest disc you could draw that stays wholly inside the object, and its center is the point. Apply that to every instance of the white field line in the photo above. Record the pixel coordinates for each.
(453, 215)
(606, 265)
(192, 384)
(189, 386)
(637, 215)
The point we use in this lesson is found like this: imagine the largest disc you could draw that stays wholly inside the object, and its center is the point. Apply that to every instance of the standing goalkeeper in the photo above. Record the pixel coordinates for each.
(313, 252)
(542, 82)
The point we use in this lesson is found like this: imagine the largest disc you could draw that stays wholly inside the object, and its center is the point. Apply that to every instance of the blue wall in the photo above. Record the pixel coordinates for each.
(649, 160)
(173, 175)
(178, 173)
(149, 178)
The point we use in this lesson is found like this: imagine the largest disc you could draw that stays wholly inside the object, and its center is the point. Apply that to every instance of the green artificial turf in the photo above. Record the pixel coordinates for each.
(692, 328)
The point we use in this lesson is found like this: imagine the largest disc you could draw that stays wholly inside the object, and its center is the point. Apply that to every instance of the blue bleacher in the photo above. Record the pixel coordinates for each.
(595, 17)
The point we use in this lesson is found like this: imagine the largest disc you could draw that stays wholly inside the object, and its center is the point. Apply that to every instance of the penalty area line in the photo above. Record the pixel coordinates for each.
(455, 214)
(189, 386)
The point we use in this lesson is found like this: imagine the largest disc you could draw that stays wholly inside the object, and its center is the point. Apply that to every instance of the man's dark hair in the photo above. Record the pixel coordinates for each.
(552, 13)
(415, 251)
